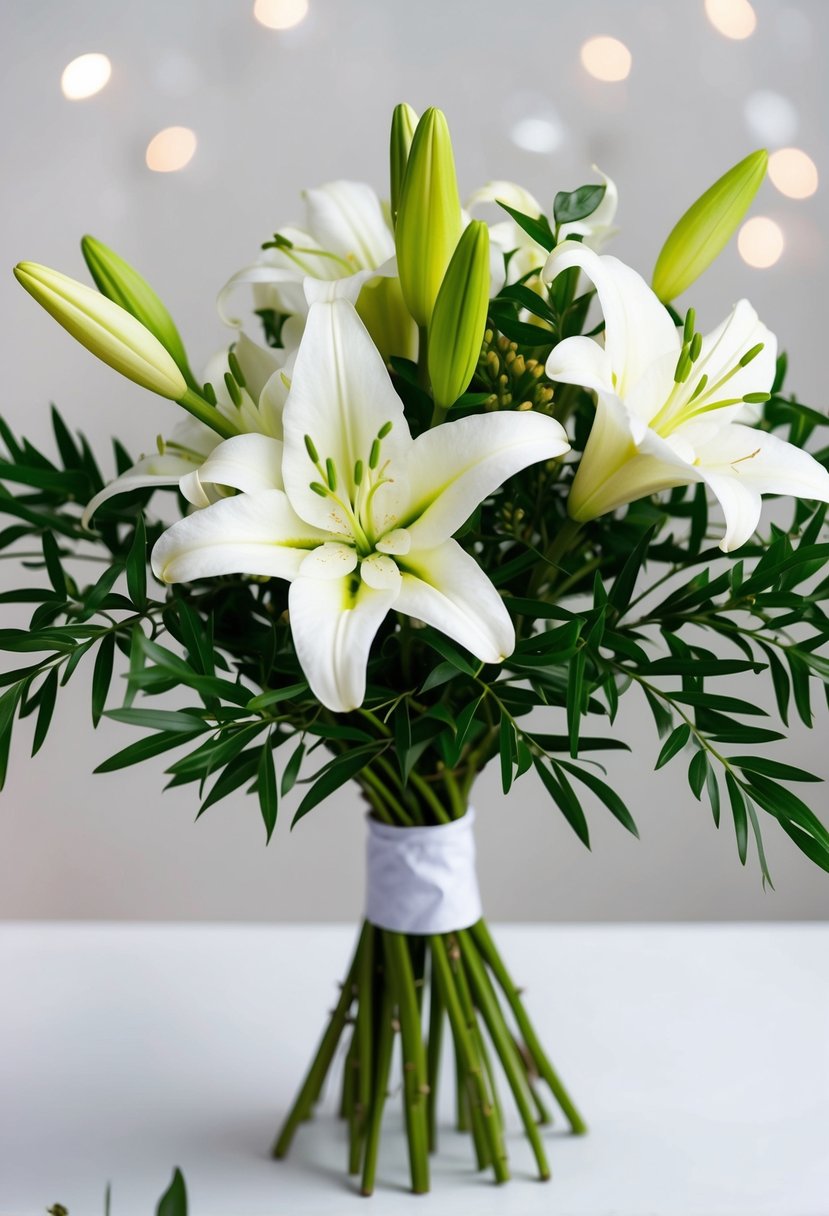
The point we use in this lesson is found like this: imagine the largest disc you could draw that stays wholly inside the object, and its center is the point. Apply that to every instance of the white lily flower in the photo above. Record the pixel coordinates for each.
(670, 412)
(365, 520)
(507, 235)
(347, 241)
(179, 458)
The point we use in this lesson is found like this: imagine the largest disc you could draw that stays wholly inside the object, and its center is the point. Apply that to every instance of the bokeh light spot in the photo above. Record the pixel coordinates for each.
(606, 59)
(793, 172)
(85, 76)
(733, 18)
(280, 14)
(171, 149)
(760, 242)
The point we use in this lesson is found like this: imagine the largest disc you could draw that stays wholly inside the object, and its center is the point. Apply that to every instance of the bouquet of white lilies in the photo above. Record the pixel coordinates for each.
(418, 524)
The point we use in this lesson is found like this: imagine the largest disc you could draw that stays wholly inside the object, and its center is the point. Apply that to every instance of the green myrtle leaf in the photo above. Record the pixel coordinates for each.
(738, 810)
(334, 775)
(573, 205)
(137, 565)
(292, 769)
(46, 707)
(538, 229)
(266, 789)
(604, 793)
(102, 676)
(174, 1200)
(673, 744)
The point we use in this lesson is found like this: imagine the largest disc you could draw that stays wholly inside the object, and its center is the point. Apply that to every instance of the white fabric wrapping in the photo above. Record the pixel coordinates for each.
(422, 880)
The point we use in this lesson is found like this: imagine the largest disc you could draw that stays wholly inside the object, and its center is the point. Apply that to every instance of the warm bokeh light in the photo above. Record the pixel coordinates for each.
(85, 76)
(171, 149)
(733, 18)
(606, 58)
(760, 242)
(280, 14)
(793, 172)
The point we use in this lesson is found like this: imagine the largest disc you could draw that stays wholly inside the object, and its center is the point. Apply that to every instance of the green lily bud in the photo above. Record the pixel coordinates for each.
(108, 330)
(403, 124)
(707, 226)
(122, 284)
(456, 329)
(429, 217)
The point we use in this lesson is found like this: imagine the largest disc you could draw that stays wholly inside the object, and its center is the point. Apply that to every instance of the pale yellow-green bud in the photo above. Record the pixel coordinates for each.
(707, 226)
(104, 328)
(122, 284)
(403, 124)
(429, 219)
(456, 330)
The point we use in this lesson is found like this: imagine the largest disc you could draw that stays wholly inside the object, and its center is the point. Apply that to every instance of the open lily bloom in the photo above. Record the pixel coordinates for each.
(347, 240)
(356, 514)
(671, 412)
(507, 235)
(258, 409)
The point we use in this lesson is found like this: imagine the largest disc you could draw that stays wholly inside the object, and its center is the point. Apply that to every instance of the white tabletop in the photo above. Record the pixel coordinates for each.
(699, 1054)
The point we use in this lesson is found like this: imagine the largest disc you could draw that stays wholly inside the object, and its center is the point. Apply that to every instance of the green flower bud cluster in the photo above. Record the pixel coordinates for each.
(516, 382)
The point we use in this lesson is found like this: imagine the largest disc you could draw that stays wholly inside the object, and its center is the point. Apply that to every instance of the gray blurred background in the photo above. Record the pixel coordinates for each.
(274, 111)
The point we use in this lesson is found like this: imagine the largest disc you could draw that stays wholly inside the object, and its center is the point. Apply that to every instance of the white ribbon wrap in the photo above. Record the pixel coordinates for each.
(422, 880)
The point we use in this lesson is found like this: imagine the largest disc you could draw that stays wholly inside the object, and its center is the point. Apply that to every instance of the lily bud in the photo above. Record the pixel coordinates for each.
(456, 329)
(104, 328)
(429, 218)
(122, 284)
(403, 124)
(707, 226)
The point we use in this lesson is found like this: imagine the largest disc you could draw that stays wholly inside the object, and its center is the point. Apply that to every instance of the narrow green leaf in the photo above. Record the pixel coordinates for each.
(713, 791)
(575, 692)
(604, 793)
(506, 748)
(8, 706)
(102, 676)
(51, 555)
(673, 744)
(187, 722)
(698, 773)
(174, 1200)
(565, 799)
(137, 565)
(266, 789)
(334, 775)
(46, 707)
(625, 582)
(292, 769)
(738, 810)
(241, 768)
(771, 768)
(142, 749)
(275, 695)
(538, 229)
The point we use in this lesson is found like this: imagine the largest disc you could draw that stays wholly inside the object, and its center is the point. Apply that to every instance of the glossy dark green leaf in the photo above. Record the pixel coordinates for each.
(673, 744)
(565, 799)
(46, 708)
(292, 769)
(242, 768)
(738, 810)
(604, 793)
(54, 569)
(573, 205)
(142, 749)
(102, 676)
(698, 773)
(625, 582)
(538, 229)
(771, 768)
(137, 565)
(266, 789)
(507, 752)
(575, 693)
(186, 722)
(174, 1200)
(332, 777)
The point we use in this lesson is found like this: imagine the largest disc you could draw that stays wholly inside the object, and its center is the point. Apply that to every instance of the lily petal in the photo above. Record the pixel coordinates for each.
(581, 361)
(511, 193)
(250, 534)
(333, 623)
(453, 467)
(341, 396)
(258, 363)
(151, 472)
(597, 227)
(741, 463)
(638, 328)
(445, 587)
(245, 462)
(346, 218)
